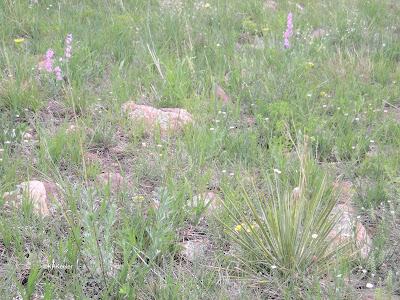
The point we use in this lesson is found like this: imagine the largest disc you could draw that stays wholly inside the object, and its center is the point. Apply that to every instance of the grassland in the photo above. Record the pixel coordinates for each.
(323, 110)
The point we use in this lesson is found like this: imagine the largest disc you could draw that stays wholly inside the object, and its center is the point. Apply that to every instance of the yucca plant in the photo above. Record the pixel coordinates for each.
(286, 230)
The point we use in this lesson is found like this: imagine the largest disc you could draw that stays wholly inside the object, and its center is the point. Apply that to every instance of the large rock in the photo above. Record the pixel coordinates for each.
(150, 117)
(41, 194)
(348, 224)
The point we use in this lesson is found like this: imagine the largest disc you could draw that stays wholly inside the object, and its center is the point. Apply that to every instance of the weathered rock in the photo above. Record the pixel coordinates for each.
(270, 5)
(173, 118)
(115, 180)
(347, 224)
(117, 151)
(194, 249)
(221, 95)
(249, 121)
(209, 200)
(41, 194)
(317, 33)
(91, 157)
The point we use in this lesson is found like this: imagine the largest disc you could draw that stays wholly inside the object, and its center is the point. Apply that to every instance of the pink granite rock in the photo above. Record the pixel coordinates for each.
(347, 224)
(41, 194)
(271, 5)
(221, 95)
(115, 180)
(209, 199)
(317, 33)
(173, 118)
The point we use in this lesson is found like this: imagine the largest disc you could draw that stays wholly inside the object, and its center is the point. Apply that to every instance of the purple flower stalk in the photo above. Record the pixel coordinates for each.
(58, 72)
(68, 40)
(288, 30)
(48, 65)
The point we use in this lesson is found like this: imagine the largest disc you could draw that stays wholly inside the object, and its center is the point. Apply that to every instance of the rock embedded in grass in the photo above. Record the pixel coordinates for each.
(221, 95)
(347, 224)
(41, 194)
(115, 180)
(150, 117)
(194, 249)
(91, 157)
(206, 198)
(270, 5)
(319, 33)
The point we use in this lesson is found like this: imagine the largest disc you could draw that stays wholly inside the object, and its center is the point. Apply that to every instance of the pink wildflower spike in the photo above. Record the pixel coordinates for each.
(68, 40)
(288, 31)
(289, 21)
(49, 53)
(286, 44)
(58, 70)
(48, 65)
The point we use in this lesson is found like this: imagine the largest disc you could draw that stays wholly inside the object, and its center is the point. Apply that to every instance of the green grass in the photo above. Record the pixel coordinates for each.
(337, 92)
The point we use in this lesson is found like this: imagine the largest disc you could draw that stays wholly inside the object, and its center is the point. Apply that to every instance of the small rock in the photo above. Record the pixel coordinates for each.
(271, 5)
(71, 129)
(220, 93)
(206, 198)
(194, 249)
(117, 151)
(115, 180)
(91, 157)
(317, 33)
(249, 121)
(173, 118)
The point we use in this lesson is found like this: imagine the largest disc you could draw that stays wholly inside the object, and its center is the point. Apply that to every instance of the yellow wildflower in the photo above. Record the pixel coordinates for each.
(311, 64)
(207, 5)
(238, 228)
(18, 40)
(266, 29)
(249, 230)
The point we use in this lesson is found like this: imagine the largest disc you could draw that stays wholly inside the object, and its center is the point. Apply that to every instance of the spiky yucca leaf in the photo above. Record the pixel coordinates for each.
(287, 232)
